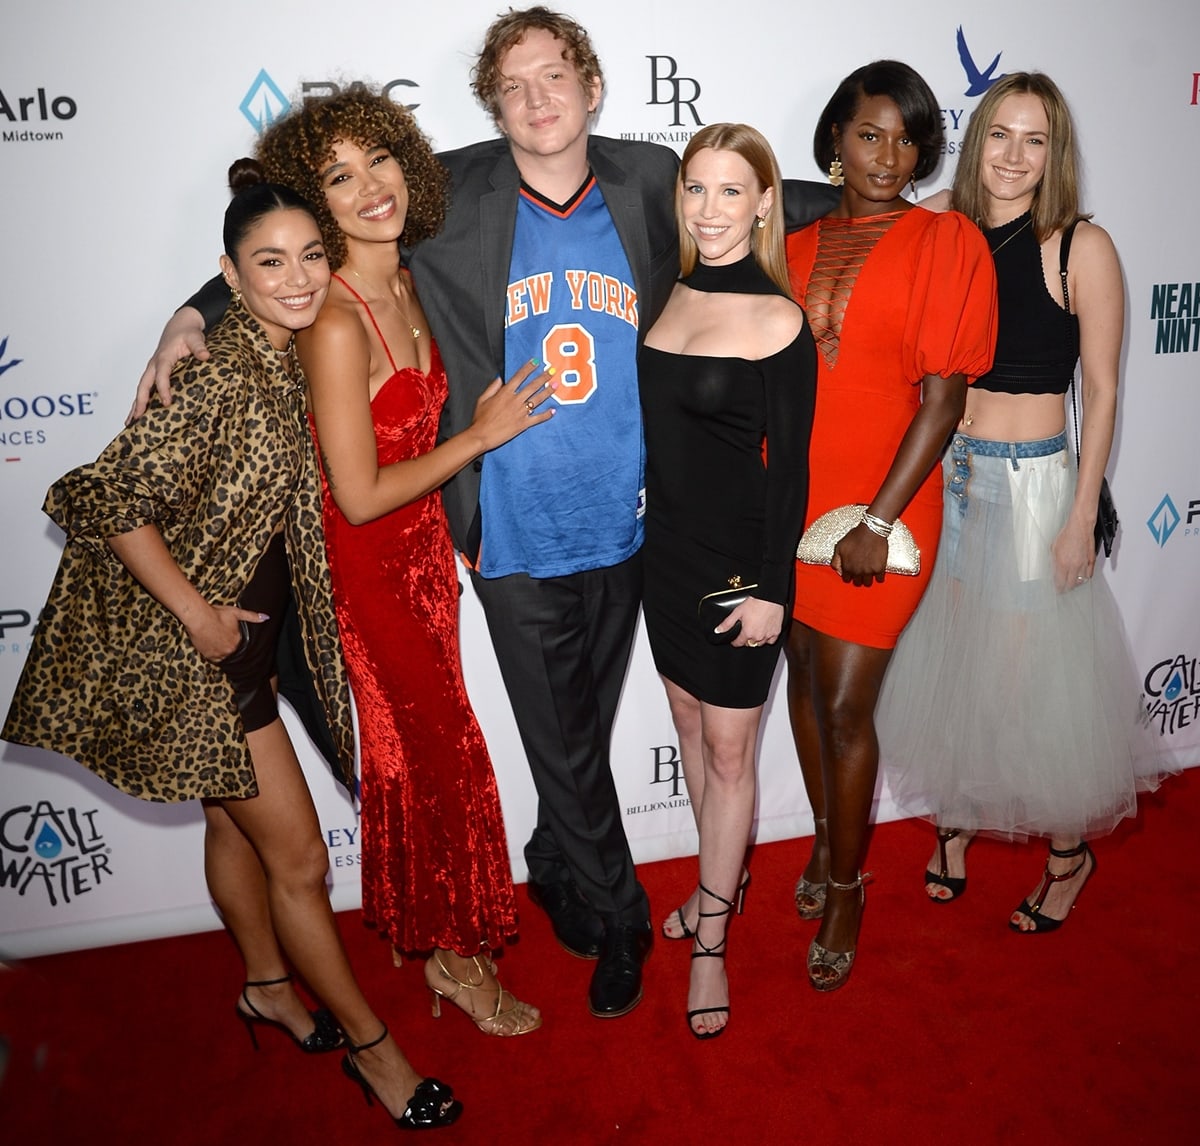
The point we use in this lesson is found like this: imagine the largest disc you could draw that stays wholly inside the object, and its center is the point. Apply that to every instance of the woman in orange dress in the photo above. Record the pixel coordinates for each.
(902, 304)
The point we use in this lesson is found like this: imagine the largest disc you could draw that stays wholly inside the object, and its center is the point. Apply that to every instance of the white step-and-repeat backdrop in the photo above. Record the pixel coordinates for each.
(118, 120)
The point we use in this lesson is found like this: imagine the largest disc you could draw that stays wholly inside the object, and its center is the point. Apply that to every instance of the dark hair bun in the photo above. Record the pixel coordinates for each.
(245, 173)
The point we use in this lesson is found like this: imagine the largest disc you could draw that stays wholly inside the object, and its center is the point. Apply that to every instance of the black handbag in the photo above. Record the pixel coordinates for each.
(1106, 511)
(715, 607)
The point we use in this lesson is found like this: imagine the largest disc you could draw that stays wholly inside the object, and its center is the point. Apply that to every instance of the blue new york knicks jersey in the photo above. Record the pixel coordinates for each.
(566, 495)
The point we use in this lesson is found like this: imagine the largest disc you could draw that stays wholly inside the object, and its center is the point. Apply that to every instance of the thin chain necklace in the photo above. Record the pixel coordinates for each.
(1001, 246)
(416, 330)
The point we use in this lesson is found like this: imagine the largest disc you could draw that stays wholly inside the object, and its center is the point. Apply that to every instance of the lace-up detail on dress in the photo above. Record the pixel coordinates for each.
(842, 247)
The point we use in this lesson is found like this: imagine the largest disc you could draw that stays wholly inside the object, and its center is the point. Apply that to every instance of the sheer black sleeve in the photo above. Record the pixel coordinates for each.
(790, 385)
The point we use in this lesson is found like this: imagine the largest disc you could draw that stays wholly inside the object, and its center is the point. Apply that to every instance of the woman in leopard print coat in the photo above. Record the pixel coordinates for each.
(153, 658)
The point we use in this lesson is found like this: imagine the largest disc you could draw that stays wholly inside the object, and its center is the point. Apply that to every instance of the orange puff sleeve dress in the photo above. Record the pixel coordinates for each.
(923, 302)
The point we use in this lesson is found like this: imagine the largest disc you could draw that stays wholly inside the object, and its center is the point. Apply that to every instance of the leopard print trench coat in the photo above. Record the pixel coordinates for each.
(112, 679)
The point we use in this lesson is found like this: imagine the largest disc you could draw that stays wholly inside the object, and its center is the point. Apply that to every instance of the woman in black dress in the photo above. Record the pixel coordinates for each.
(728, 366)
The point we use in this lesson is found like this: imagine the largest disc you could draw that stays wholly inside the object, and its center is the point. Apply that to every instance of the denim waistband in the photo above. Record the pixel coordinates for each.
(983, 447)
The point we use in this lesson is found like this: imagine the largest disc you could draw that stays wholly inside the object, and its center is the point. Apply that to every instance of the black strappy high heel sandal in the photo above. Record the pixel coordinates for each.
(686, 931)
(431, 1106)
(326, 1034)
(954, 884)
(1033, 911)
(716, 951)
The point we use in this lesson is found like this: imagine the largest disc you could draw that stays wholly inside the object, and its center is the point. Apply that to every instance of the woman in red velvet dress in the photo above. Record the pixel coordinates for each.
(436, 872)
(902, 304)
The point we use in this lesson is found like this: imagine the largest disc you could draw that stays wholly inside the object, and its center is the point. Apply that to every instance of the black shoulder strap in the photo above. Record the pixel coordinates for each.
(1064, 253)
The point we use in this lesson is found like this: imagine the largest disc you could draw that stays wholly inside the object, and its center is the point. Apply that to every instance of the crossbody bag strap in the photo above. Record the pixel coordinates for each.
(1064, 254)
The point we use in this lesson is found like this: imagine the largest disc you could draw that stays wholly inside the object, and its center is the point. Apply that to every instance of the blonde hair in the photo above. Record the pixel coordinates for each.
(766, 243)
(1056, 198)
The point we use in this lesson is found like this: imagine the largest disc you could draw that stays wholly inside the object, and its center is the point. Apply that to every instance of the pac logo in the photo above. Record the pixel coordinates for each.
(668, 87)
(264, 103)
(978, 80)
(1163, 521)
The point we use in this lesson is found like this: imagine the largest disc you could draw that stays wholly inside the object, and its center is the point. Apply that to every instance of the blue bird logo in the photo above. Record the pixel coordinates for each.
(977, 81)
(12, 361)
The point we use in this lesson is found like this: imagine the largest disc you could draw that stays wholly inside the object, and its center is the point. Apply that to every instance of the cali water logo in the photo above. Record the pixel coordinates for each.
(1171, 694)
(978, 80)
(56, 852)
(264, 103)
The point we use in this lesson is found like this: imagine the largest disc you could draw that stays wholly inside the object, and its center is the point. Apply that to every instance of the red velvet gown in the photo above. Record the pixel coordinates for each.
(435, 865)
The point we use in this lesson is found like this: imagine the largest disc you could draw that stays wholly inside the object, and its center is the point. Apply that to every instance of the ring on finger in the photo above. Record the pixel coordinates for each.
(529, 405)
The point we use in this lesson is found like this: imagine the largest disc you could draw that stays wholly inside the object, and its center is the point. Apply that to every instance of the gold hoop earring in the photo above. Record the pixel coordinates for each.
(835, 171)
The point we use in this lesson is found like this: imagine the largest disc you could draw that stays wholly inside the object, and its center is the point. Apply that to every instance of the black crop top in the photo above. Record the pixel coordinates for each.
(1037, 341)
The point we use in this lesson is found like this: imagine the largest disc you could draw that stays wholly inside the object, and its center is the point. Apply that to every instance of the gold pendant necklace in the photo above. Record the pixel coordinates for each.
(416, 330)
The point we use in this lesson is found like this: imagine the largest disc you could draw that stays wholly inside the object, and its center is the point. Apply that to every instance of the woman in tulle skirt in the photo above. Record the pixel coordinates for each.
(1011, 706)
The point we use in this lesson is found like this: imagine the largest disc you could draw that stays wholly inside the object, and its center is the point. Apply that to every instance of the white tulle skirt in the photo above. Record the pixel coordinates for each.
(1011, 708)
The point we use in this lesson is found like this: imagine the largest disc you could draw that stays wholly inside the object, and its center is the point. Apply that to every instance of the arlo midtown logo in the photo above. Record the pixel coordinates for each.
(666, 770)
(23, 417)
(1166, 519)
(28, 114)
(678, 93)
(55, 852)
(264, 101)
(1171, 694)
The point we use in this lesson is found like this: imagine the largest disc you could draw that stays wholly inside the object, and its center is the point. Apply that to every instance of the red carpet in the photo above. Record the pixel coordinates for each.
(951, 1028)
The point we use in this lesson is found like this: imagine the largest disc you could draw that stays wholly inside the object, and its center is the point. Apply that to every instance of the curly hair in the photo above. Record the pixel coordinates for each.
(510, 29)
(295, 149)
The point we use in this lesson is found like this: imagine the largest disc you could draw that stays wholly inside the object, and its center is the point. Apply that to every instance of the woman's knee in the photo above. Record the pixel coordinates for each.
(300, 867)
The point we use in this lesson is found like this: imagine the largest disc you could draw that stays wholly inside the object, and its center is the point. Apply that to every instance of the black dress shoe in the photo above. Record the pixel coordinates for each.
(577, 927)
(616, 986)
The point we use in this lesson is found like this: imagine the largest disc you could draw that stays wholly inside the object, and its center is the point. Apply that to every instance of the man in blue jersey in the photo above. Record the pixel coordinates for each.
(560, 246)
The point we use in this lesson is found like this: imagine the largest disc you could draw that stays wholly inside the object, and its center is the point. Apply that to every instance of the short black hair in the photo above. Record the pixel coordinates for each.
(913, 98)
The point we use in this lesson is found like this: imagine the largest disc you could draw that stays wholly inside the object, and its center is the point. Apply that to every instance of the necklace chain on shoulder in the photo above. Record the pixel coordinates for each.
(416, 330)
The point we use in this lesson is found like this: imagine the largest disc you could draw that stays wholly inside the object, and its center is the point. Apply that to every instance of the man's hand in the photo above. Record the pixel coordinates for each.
(182, 337)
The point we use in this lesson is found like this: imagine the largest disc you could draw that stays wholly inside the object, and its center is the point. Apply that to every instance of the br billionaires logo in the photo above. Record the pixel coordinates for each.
(1166, 519)
(264, 101)
(666, 781)
(31, 116)
(1171, 694)
(25, 418)
(58, 853)
(678, 94)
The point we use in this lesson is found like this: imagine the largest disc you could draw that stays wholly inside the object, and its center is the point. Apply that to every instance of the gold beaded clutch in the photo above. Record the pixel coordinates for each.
(817, 545)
